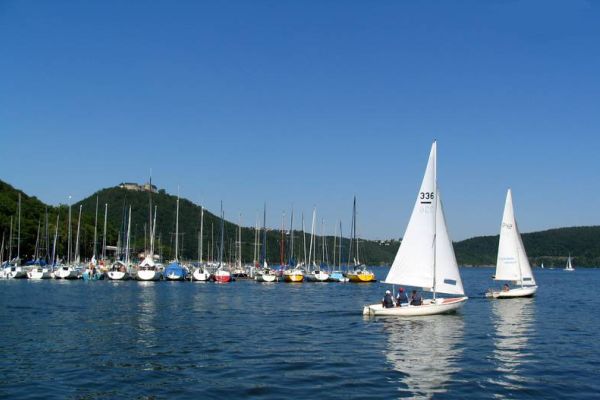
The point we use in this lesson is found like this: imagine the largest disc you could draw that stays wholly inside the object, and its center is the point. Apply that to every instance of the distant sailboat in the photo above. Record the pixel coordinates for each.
(569, 266)
(360, 273)
(512, 263)
(426, 257)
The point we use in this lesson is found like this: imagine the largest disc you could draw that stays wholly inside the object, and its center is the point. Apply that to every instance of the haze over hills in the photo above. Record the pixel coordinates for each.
(550, 247)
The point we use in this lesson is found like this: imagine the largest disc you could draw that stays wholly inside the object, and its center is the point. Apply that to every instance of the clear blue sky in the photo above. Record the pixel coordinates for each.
(309, 103)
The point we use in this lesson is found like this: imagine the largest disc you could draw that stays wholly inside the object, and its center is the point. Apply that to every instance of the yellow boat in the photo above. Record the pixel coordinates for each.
(294, 275)
(361, 275)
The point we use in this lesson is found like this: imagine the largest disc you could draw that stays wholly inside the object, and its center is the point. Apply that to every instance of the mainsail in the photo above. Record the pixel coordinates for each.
(512, 263)
(426, 257)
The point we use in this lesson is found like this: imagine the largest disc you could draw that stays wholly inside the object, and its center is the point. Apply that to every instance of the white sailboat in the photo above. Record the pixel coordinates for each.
(512, 264)
(426, 257)
(201, 274)
(315, 273)
(148, 270)
(569, 266)
(119, 270)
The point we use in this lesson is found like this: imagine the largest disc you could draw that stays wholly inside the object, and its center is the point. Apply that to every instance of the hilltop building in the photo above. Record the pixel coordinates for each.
(137, 187)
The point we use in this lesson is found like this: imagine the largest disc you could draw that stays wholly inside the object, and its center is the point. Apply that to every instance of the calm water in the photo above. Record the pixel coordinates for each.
(63, 339)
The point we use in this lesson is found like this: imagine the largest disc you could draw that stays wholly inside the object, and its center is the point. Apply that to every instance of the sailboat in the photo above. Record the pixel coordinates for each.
(265, 274)
(512, 263)
(426, 257)
(222, 275)
(119, 270)
(569, 266)
(201, 274)
(175, 271)
(295, 274)
(315, 273)
(360, 273)
(14, 270)
(148, 270)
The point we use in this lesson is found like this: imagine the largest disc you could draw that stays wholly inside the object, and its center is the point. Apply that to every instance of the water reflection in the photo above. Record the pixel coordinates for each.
(425, 351)
(146, 314)
(514, 323)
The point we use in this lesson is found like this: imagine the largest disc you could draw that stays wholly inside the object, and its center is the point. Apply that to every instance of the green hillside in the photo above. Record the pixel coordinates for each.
(550, 247)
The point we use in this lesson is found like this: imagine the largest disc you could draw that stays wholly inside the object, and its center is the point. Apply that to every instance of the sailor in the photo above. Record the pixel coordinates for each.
(415, 299)
(401, 297)
(388, 300)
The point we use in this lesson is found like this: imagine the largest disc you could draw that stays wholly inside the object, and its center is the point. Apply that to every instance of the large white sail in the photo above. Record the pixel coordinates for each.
(447, 276)
(512, 263)
(413, 264)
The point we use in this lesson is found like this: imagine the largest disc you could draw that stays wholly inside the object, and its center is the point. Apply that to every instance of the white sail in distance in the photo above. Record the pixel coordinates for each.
(512, 263)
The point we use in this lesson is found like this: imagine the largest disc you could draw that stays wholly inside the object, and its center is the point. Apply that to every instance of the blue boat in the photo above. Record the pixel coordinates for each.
(175, 272)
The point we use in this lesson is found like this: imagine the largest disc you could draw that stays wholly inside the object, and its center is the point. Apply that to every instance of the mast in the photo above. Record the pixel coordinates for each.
(77, 255)
(292, 237)
(264, 248)
(70, 234)
(435, 200)
(55, 239)
(128, 239)
(104, 234)
(304, 240)
(282, 244)
(19, 232)
(177, 228)
(96, 228)
(222, 236)
(201, 232)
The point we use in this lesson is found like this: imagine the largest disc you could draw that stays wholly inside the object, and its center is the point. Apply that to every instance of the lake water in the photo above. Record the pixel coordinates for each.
(75, 339)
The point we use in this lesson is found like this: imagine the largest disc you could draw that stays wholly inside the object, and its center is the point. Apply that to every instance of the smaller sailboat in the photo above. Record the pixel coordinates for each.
(360, 273)
(175, 271)
(222, 275)
(512, 264)
(119, 270)
(569, 266)
(200, 273)
(426, 257)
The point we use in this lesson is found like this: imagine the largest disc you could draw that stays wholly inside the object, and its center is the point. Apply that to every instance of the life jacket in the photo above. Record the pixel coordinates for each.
(388, 301)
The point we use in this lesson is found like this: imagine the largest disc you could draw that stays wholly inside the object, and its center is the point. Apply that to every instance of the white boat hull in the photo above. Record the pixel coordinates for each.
(117, 275)
(147, 275)
(317, 277)
(38, 274)
(429, 307)
(66, 273)
(265, 277)
(527, 291)
(201, 276)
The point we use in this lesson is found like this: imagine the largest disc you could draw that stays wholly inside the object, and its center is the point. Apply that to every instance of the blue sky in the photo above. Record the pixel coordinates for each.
(309, 103)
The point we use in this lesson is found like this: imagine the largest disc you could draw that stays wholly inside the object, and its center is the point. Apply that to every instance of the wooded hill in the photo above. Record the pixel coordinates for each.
(550, 247)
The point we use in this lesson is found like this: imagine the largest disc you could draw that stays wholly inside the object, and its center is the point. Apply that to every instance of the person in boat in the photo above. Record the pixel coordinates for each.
(401, 297)
(505, 288)
(388, 300)
(415, 299)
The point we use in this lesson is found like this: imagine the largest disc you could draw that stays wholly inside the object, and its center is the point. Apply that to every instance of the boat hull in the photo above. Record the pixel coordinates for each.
(430, 307)
(37, 274)
(293, 278)
(147, 275)
(317, 277)
(200, 276)
(265, 277)
(222, 277)
(528, 291)
(117, 275)
(361, 277)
